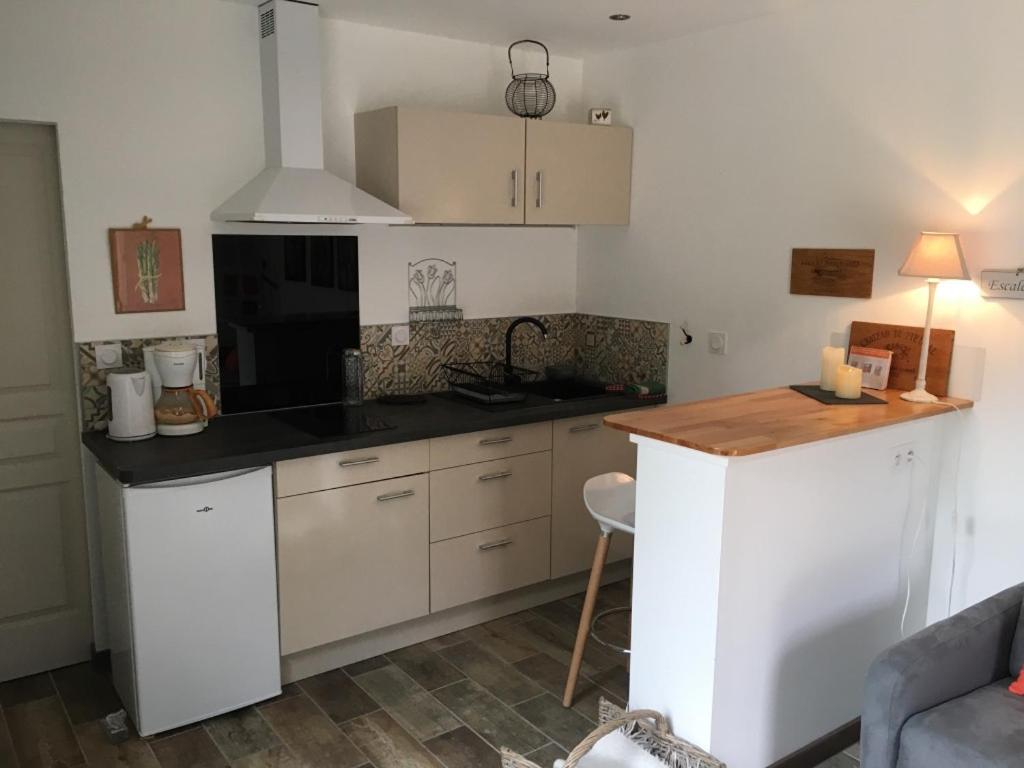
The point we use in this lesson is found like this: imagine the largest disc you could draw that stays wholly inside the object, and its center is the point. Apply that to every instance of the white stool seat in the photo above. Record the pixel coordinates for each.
(611, 500)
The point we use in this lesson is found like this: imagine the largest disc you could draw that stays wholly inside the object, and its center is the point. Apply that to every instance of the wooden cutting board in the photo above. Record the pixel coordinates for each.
(905, 343)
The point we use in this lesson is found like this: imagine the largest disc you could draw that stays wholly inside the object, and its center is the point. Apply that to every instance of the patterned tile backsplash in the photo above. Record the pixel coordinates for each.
(608, 348)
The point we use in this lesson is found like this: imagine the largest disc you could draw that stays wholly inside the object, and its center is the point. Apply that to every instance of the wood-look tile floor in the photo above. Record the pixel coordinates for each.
(446, 703)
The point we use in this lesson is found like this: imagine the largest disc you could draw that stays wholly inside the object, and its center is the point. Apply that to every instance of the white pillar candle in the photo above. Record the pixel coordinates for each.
(831, 359)
(848, 379)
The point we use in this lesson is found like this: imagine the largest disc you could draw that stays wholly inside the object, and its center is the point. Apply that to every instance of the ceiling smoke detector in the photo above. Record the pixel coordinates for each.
(620, 17)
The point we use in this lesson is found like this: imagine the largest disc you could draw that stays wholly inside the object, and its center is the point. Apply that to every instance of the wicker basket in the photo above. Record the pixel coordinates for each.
(654, 738)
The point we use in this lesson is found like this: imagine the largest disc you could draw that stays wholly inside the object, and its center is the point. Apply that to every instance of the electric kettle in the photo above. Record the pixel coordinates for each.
(131, 405)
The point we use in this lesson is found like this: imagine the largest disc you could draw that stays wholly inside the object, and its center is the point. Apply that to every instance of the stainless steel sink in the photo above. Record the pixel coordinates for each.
(567, 389)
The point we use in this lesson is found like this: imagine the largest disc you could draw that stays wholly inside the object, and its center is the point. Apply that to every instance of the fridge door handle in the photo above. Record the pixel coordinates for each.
(185, 482)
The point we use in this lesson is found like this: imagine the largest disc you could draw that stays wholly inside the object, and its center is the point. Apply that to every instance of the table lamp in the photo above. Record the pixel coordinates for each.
(935, 256)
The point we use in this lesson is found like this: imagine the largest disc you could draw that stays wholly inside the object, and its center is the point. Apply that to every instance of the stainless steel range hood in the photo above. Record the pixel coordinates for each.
(294, 187)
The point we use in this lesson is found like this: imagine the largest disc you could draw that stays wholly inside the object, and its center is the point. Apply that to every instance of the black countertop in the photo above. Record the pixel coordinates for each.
(259, 439)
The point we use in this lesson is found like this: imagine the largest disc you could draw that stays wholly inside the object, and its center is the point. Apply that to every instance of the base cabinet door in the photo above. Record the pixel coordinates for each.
(583, 447)
(352, 560)
(577, 174)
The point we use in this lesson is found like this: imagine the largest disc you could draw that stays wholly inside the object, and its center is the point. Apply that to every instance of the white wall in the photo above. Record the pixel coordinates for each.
(368, 68)
(833, 125)
(158, 110)
(157, 106)
(501, 270)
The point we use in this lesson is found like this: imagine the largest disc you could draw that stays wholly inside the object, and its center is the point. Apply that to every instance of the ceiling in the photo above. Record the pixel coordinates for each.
(568, 27)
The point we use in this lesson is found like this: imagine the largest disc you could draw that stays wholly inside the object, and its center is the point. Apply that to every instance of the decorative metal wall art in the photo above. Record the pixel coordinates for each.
(432, 291)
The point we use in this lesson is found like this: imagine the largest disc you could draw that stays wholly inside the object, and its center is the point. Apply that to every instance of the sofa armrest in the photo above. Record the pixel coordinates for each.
(943, 662)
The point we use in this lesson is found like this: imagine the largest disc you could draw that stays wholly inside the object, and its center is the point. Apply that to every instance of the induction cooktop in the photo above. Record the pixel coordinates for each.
(332, 420)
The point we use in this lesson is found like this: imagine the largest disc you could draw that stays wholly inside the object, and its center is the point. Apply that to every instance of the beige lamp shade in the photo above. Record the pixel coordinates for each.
(936, 255)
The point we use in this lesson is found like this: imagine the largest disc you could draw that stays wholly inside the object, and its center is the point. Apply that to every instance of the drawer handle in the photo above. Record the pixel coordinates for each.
(396, 495)
(584, 428)
(495, 475)
(494, 544)
(496, 441)
(358, 462)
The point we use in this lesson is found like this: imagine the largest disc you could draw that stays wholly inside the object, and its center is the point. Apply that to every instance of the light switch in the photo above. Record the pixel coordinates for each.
(399, 335)
(718, 342)
(108, 356)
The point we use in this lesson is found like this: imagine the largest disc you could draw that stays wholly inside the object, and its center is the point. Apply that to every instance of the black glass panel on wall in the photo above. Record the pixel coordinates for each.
(287, 305)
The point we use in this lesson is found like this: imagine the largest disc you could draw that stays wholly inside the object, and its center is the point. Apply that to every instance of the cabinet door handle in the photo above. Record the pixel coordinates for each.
(515, 188)
(540, 189)
(396, 495)
(584, 427)
(496, 441)
(358, 462)
(495, 475)
(494, 544)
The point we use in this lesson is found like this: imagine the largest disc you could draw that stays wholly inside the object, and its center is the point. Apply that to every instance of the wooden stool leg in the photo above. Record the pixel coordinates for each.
(589, 601)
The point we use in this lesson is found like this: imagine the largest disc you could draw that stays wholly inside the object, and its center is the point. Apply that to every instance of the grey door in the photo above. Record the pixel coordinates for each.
(44, 580)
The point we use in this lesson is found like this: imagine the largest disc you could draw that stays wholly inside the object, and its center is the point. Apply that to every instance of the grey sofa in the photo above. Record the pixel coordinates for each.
(939, 699)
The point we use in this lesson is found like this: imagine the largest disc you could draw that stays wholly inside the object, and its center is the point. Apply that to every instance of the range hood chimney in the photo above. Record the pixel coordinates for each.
(294, 187)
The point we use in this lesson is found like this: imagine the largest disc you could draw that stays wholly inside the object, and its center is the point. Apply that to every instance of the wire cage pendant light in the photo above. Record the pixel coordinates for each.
(530, 94)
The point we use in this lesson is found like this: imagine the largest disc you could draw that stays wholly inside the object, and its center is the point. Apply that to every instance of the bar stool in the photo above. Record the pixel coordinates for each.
(611, 500)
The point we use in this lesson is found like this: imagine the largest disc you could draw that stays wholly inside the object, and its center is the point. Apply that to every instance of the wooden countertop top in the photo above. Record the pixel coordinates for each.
(757, 422)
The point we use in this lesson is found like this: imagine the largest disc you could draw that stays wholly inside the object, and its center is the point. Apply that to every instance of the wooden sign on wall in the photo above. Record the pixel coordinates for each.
(1002, 283)
(905, 343)
(844, 272)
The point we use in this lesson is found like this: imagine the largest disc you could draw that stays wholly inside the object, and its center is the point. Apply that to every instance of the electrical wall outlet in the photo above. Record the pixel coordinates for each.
(718, 342)
(903, 455)
(399, 335)
(108, 356)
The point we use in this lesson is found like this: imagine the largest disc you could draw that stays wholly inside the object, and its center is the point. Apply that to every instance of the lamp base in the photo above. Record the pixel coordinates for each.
(919, 396)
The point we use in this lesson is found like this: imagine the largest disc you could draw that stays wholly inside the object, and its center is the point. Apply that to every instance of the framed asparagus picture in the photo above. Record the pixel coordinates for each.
(146, 265)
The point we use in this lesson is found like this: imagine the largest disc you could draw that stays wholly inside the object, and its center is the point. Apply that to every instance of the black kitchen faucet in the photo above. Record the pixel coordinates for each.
(509, 368)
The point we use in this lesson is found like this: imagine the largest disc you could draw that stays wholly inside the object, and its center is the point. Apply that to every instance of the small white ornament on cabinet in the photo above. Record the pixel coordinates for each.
(600, 116)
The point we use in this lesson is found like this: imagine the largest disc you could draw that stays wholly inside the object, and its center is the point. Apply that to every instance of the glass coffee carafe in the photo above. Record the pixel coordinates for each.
(182, 406)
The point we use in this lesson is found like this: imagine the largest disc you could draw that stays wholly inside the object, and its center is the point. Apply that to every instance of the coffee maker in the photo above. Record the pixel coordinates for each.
(181, 404)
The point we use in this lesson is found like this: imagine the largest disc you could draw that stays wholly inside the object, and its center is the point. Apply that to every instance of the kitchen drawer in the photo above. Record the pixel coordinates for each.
(337, 470)
(482, 564)
(473, 447)
(486, 495)
(351, 560)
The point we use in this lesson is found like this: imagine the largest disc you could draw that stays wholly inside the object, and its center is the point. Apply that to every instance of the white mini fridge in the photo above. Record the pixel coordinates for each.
(191, 586)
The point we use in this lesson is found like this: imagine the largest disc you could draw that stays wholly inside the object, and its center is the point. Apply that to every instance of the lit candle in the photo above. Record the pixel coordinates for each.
(831, 359)
(848, 378)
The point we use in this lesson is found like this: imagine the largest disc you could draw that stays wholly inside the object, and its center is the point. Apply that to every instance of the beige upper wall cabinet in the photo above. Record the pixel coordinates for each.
(443, 167)
(578, 174)
(460, 168)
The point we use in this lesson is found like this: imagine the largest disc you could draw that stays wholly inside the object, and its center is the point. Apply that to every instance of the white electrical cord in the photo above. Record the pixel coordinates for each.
(956, 506)
(913, 549)
(920, 525)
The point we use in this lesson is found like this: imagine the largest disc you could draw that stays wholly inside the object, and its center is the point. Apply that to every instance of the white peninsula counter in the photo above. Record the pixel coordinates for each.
(776, 538)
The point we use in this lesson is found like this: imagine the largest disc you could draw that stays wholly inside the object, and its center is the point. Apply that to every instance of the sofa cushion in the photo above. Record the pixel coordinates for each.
(984, 729)
(1017, 654)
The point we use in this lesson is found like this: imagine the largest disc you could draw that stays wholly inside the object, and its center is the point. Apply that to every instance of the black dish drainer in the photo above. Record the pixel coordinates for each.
(488, 382)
